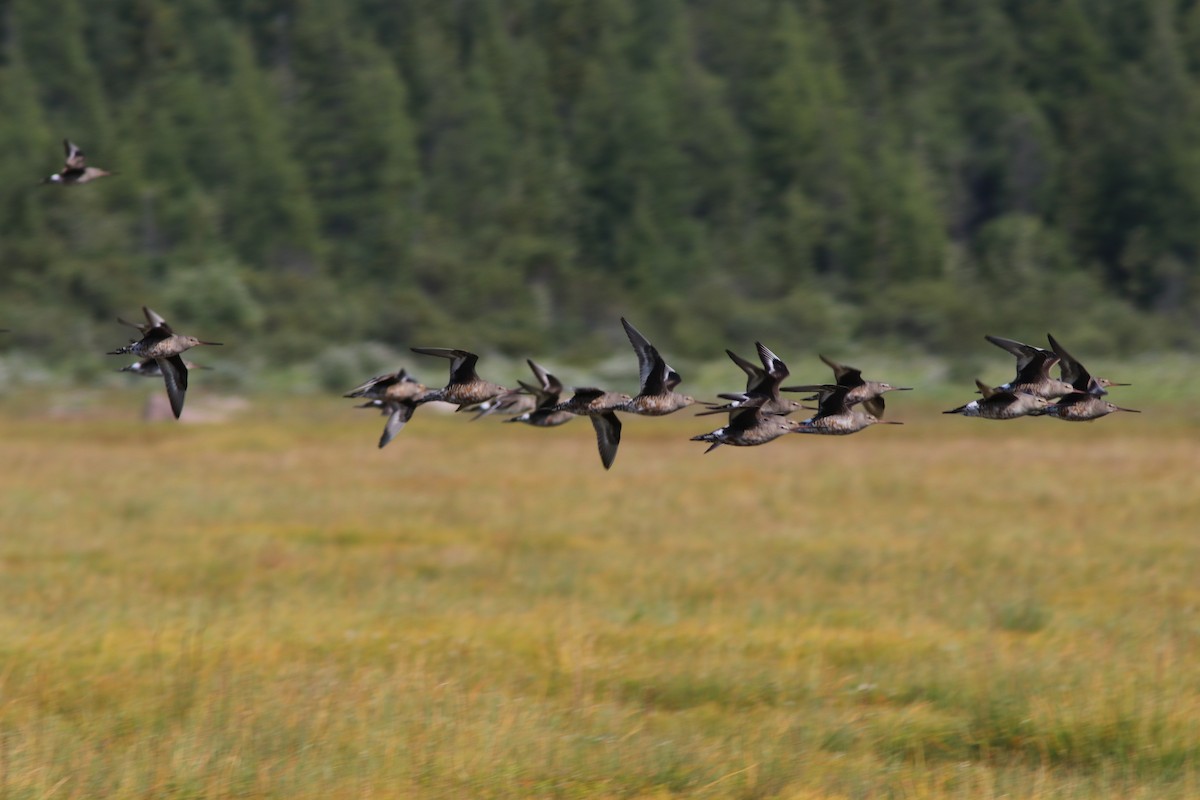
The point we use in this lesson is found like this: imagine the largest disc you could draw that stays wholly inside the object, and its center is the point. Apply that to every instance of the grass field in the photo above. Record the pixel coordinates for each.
(272, 607)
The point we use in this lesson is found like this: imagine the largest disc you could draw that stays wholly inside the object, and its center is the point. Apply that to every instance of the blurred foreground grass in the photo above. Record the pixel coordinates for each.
(271, 607)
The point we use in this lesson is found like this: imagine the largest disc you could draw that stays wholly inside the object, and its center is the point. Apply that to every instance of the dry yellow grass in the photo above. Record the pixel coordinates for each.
(274, 608)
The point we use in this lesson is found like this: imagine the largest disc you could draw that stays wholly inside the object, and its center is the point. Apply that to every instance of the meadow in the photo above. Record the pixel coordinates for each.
(271, 607)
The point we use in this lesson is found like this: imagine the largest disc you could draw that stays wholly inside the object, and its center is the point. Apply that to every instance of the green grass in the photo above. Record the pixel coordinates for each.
(272, 607)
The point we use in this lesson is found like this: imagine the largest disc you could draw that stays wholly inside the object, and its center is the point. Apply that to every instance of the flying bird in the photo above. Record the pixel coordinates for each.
(1083, 407)
(1001, 403)
(860, 390)
(749, 425)
(599, 406)
(836, 416)
(545, 413)
(75, 169)
(656, 395)
(1033, 370)
(162, 345)
(762, 384)
(393, 394)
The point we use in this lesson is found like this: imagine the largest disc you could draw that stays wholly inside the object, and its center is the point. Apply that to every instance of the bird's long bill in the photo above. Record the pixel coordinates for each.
(1119, 384)
(889, 422)
(1131, 410)
(902, 388)
(218, 344)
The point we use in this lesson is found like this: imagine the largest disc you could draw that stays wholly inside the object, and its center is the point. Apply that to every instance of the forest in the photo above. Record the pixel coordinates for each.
(512, 176)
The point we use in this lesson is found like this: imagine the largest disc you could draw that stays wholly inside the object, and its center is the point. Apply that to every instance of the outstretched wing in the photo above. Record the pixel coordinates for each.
(74, 156)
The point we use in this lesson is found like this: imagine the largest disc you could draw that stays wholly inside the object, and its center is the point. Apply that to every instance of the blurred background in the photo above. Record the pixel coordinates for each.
(323, 184)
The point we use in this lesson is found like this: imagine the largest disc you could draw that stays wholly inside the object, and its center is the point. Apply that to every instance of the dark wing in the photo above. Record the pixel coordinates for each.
(1073, 372)
(174, 373)
(1025, 353)
(367, 386)
(462, 363)
(755, 376)
(746, 417)
(156, 334)
(608, 436)
(811, 387)
(844, 375)
(833, 401)
(655, 376)
(155, 320)
(646, 354)
(545, 399)
(586, 394)
(772, 363)
(402, 412)
(549, 383)
(153, 317)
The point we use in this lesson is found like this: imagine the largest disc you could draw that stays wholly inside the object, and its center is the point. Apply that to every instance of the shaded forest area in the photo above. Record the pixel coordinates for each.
(516, 174)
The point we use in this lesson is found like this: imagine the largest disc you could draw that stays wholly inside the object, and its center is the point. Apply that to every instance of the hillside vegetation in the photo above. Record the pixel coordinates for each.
(515, 175)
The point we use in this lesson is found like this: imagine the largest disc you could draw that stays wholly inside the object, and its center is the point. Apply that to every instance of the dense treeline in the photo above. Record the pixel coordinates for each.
(521, 172)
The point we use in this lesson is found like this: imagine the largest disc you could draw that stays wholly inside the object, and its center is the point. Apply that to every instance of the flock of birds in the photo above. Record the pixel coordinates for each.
(756, 415)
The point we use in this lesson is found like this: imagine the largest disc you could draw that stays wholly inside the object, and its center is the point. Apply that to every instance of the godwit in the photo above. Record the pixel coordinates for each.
(656, 396)
(762, 384)
(465, 388)
(75, 170)
(394, 394)
(859, 390)
(600, 406)
(1002, 403)
(1083, 407)
(546, 394)
(836, 417)
(749, 425)
(163, 345)
(1033, 370)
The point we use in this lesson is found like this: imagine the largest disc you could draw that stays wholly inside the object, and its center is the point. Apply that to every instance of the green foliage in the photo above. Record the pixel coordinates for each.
(514, 174)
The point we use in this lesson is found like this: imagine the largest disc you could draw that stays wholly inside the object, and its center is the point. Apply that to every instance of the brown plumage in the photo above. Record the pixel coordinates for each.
(465, 387)
(1000, 403)
(749, 426)
(1083, 407)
